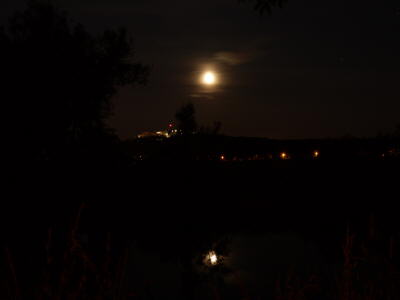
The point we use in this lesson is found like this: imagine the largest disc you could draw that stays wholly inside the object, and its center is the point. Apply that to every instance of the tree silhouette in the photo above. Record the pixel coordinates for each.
(186, 120)
(58, 80)
(265, 5)
(57, 84)
(211, 130)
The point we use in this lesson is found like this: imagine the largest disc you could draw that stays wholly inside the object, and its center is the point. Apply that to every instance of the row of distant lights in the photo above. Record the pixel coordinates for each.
(282, 155)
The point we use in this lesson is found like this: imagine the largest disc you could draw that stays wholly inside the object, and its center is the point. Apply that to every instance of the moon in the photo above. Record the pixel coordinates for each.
(209, 78)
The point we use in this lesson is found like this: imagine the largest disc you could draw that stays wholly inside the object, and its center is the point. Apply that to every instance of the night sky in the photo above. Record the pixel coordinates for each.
(313, 69)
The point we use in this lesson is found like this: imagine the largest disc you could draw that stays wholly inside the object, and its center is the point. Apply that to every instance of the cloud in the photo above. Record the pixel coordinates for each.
(234, 58)
(201, 96)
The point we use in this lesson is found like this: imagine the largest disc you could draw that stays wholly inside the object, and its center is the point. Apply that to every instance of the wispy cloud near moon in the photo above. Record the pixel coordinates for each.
(202, 96)
(234, 58)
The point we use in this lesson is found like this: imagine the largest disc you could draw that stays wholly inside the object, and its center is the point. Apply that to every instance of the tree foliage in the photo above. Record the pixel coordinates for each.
(186, 120)
(265, 5)
(59, 79)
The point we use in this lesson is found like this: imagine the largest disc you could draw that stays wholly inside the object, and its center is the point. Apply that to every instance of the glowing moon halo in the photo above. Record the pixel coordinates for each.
(209, 78)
